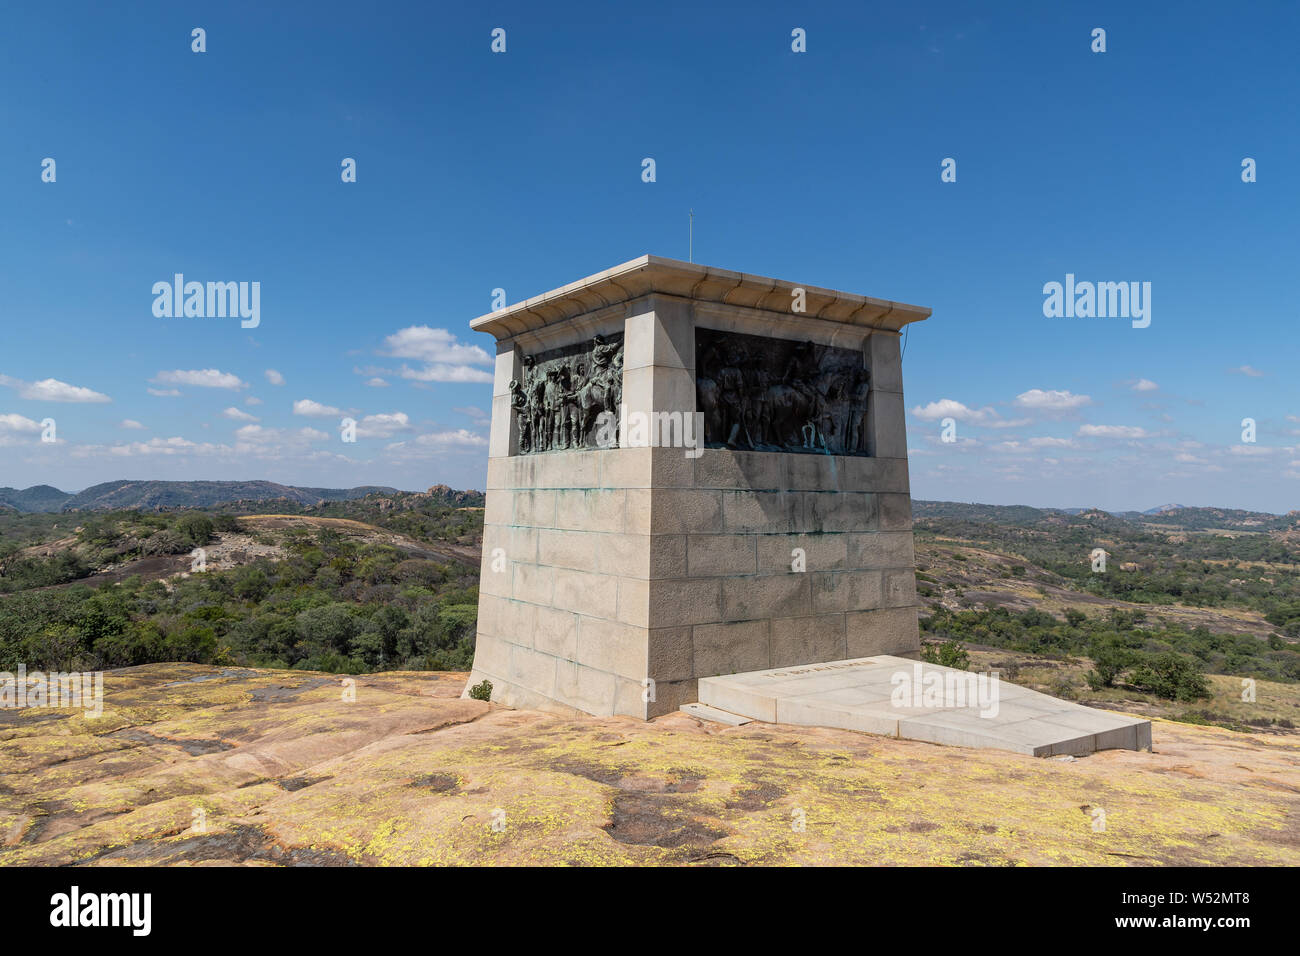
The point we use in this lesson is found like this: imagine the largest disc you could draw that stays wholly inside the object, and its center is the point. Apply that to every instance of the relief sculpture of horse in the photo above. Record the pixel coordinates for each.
(597, 395)
(789, 409)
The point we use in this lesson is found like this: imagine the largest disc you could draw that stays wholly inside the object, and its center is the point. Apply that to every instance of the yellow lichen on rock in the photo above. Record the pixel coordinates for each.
(194, 765)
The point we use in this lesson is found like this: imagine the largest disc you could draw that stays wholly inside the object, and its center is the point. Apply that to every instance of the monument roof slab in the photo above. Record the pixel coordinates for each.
(654, 274)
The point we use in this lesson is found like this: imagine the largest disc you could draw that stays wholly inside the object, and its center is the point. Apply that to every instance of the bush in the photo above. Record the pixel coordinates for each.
(481, 691)
(1170, 676)
(226, 523)
(1109, 658)
(328, 628)
(251, 583)
(168, 541)
(947, 654)
(1063, 688)
(141, 642)
(196, 529)
(196, 644)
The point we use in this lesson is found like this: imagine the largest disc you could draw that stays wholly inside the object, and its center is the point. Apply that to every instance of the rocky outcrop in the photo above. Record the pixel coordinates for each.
(193, 764)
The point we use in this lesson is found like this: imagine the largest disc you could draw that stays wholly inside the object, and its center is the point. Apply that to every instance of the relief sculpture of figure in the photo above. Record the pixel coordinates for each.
(857, 433)
(563, 392)
(706, 390)
(571, 379)
(831, 389)
(768, 394)
(731, 399)
(757, 419)
(615, 404)
(519, 402)
(599, 391)
(536, 409)
(554, 399)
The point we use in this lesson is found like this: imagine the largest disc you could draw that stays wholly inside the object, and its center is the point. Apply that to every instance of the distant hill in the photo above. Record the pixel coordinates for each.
(1002, 514)
(158, 495)
(1174, 517)
(1226, 519)
(36, 498)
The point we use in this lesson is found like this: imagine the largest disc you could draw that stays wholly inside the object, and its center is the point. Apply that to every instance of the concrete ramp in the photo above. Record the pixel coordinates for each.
(913, 700)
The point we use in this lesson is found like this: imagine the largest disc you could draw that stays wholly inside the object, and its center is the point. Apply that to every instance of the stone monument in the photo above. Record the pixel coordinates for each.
(692, 472)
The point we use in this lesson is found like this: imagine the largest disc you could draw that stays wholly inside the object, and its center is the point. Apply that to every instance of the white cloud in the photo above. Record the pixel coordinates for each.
(376, 383)
(459, 438)
(157, 446)
(1051, 401)
(462, 437)
(263, 439)
(433, 345)
(154, 446)
(130, 423)
(1112, 431)
(311, 409)
(200, 378)
(52, 390)
(1145, 385)
(445, 359)
(238, 415)
(252, 400)
(164, 392)
(1247, 371)
(951, 408)
(17, 423)
(252, 442)
(383, 425)
(255, 433)
(445, 373)
(1031, 443)
(274, 377)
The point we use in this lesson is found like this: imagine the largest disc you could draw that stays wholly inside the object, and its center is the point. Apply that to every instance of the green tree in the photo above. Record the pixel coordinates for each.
(332, 627)
(947, 654)
(1110, 657)
(1171, 676)
(194, 528)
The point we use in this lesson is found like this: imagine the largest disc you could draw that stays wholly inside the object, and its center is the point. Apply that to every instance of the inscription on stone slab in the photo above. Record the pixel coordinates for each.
(765, 394)
(564, 392)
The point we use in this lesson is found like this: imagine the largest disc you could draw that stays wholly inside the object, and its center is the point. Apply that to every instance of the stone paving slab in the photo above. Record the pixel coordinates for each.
(705, 712)
(913, 700)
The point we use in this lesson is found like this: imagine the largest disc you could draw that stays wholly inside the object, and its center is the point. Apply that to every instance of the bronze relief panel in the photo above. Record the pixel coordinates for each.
(564, 391)
(765, 394)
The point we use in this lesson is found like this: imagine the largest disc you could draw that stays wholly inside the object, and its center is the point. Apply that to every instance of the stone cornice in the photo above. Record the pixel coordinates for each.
(648, 275)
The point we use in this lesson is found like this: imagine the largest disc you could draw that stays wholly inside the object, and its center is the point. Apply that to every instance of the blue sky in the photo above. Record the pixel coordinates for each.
(522, 171)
